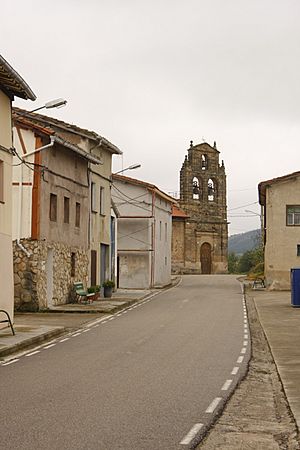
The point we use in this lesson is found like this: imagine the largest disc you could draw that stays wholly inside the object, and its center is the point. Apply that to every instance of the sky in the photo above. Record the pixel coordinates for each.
(152, 75)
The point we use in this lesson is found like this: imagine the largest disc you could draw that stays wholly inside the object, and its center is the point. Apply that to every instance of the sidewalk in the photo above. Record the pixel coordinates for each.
(34, 328)
(281, 324)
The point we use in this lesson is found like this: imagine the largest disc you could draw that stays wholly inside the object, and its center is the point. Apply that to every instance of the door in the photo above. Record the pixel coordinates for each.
(93, 267)
(205, 258)
(49, 275)
(104, 262)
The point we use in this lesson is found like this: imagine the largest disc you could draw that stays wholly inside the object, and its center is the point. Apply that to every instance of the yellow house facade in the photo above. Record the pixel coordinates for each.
(280, 200)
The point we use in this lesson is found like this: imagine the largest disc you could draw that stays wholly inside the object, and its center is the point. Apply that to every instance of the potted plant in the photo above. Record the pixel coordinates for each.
(108, 286)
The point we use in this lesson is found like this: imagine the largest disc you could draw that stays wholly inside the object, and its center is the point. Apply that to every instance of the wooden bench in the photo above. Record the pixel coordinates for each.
(7, 320)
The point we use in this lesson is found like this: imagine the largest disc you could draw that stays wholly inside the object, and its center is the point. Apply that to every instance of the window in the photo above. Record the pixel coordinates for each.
(93, 197)
(77, 215)
(160, 230)
(204, 162)
(66, 210)
(293, 215)
(196, 188)
(73, 264)
(210, 190)
(53, 208)
(166, 260)
(1, 182)
(298, 249)
(102, 201)
(166, 231)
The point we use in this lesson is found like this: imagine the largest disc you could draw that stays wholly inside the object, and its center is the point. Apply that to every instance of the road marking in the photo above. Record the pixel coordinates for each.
(240, 359)
(244, 349)
(76, 334)
(226, 385)
(246, 336)
(245, 343)
(49, 346)
(191, 434)
(213, 405)
(33, 353)
(10, 362)
(245, 321)
(111, 318)
(235, 370)
(85, 331)
(65, 339)
(91, 324)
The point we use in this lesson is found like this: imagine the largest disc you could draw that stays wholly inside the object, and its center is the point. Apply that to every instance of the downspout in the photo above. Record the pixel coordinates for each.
(27, 253)
(153, 240)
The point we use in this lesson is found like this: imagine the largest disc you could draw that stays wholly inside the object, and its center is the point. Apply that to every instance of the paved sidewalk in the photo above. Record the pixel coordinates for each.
(34, 328)
(281, 324)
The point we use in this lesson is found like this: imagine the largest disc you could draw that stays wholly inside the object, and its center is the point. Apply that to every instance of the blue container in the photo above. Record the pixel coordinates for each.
(295, 287)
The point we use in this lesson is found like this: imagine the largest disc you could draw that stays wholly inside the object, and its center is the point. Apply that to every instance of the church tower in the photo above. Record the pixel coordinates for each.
(200, 237)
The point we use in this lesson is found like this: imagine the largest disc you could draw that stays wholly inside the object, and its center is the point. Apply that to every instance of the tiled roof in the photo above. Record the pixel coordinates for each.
(145, 184)
(51, 121)
(179, 213)
(13, 83)
(264, 184)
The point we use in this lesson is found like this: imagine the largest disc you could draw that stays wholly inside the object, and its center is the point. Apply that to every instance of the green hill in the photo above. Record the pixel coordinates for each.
(242, 242)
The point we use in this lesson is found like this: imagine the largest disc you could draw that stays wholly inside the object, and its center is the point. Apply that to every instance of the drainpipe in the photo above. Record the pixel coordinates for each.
(27, 253)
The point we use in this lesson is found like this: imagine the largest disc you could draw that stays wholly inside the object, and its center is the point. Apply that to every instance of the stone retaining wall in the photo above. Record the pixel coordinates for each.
(30, 273)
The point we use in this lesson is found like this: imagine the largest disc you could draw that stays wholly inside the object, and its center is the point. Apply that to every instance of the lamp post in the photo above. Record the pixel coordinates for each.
(133, 166)
(58, 103)
(261, 220)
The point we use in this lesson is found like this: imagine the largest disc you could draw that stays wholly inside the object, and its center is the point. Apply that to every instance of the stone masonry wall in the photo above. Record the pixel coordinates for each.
(30, 274)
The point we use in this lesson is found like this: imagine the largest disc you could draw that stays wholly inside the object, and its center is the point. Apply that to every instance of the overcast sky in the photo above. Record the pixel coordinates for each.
(152, 75)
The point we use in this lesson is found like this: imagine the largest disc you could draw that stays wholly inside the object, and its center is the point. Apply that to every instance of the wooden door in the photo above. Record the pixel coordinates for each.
(205, 258)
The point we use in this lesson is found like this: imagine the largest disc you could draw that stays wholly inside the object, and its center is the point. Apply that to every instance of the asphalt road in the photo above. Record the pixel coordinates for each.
(141, 380)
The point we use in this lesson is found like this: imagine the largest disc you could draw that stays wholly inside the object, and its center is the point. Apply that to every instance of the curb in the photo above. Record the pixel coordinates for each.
(32, 341)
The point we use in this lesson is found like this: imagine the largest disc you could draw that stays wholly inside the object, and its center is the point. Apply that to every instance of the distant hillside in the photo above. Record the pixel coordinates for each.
(241, 243)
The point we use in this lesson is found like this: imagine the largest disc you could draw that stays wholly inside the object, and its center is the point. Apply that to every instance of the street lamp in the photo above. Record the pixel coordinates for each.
(58, 103)
(133, 166)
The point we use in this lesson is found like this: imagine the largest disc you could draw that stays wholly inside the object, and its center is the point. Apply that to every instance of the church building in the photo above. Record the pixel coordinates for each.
(200, 231)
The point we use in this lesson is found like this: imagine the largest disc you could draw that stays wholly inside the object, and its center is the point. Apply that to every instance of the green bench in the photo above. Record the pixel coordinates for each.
(82, 296)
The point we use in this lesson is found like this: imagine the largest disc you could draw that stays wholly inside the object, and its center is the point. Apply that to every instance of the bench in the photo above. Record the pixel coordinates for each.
(82, 296)
(7, 320)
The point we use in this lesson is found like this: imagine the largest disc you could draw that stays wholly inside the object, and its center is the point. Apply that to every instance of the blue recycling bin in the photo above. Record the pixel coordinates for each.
(295, 287)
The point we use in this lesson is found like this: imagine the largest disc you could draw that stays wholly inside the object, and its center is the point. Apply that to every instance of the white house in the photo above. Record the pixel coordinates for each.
(144, 233)
(11, 85)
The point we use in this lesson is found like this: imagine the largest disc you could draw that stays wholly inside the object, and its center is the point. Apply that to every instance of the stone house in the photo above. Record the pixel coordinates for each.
(61, 209)
(11, 86)
(144, 233)
(280, 201)
(200, 240)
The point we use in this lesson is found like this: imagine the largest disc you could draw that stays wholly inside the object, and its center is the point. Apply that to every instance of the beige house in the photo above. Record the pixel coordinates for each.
(61, 209)
(280, 201)
(11, 85)
(144, 233)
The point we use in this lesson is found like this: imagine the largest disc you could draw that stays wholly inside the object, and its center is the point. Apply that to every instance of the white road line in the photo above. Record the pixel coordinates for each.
(112, 318)
(91, 324)
(33, 353)
(226, 385)
(240, 359)
(244, 349)
(246, 336)
(191, 434)
(85, 331)
(11, 362)
(213, 405)
(65, 339)
(76, 334)
(235, 370)
(245, 343)
(245, 321)
(49, 346)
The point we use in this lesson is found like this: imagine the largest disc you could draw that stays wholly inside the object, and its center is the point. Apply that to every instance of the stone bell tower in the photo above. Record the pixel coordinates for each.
(201, 236)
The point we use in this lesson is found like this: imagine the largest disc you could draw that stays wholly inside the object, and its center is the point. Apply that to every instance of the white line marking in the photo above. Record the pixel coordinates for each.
(213, 405)
(226, 385)
(96, 326)
(97, 321)
(244, 349)
(85, 331)
(245, 321)
(65, 339)
(49, 346)
(240, 359)
(191, 434)
(112, 318)
(33, 353)
(245, 343)
(246, 336)
(235, 370)
(11, 362)
(76, 334)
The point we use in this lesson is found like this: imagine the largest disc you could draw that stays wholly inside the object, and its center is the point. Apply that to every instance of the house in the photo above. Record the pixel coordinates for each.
(61, 209)
(204, 239)
(11, 85)
(144, 233)
(280, 201)
(179, 219)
